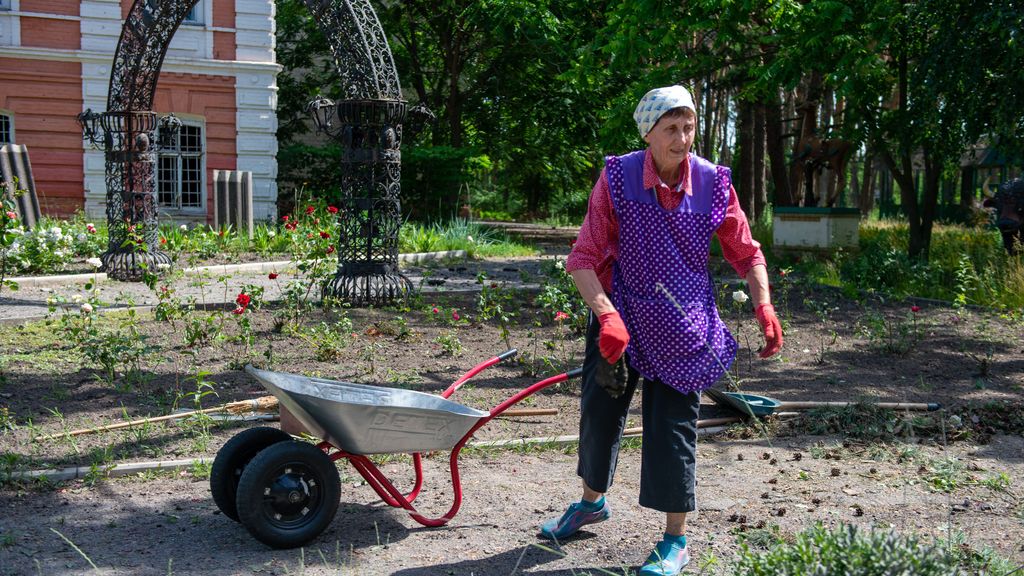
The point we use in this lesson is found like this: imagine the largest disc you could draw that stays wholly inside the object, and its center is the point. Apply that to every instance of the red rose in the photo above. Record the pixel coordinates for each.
(332, 209)
(243, 300)
(12, 215)
(285, 217)
(325, 235)
(915, 309)
(330, 249)
(272, 275)
(310, 209)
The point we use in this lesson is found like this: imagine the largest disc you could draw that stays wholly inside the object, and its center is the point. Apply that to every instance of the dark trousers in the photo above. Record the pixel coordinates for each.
(668, 459)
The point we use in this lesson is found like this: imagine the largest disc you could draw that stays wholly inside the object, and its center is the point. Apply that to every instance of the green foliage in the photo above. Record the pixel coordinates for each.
(329, 340)
(449, 343)
(845, 550)
(967, 266)
(436, 179)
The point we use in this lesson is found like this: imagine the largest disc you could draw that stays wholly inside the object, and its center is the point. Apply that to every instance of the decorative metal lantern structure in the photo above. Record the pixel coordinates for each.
(128, 140)
(368, 125)
(127, 132)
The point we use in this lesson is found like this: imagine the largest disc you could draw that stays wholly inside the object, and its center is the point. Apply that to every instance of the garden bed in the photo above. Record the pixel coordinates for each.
(954, 474)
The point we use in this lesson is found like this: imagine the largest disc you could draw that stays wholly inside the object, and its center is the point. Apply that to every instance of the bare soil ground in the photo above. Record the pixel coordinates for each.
(956, 474)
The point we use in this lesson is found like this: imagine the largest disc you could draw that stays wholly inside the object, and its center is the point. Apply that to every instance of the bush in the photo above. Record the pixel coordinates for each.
(848, 551)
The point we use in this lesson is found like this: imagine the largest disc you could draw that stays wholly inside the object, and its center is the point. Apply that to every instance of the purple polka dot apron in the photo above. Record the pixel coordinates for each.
(670, 248)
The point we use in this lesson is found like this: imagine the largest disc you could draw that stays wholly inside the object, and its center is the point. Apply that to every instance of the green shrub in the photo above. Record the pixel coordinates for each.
(848, 551)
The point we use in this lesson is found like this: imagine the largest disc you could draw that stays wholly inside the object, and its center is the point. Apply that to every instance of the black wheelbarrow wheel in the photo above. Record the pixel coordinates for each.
(288, 494)
(232, 459)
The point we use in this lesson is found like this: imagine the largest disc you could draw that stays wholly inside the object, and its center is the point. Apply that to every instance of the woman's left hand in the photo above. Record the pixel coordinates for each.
(771, 328)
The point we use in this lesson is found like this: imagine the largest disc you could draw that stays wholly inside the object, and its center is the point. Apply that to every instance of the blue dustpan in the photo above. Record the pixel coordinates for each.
(744, 404)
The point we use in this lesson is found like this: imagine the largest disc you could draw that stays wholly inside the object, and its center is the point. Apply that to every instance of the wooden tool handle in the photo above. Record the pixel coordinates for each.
(929, 407)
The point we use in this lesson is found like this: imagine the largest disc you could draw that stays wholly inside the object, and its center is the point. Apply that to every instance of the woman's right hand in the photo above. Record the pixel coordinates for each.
(613, 338)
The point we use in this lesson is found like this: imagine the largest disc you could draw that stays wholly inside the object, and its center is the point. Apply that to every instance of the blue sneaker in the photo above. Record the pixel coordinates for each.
(667, 559)
(577, 516)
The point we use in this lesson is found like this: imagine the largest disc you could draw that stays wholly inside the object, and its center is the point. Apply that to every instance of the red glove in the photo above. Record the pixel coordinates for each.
(771, 328)
(614, 337)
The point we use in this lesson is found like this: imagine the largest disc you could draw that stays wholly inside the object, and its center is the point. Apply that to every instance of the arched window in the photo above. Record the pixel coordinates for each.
(6, 128)
(180, 178)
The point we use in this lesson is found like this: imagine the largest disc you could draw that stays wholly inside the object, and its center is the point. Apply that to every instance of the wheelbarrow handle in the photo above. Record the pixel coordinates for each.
(477, 369)
(507, 354)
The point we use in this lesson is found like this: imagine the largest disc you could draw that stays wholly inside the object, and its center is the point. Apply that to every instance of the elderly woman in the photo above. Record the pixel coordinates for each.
(641, 264)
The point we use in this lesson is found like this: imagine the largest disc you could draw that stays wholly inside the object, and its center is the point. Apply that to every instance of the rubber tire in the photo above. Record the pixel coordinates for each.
(232, 459)
(256, 511)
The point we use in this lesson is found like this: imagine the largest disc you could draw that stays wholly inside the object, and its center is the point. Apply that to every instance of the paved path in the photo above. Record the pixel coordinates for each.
(219, 285)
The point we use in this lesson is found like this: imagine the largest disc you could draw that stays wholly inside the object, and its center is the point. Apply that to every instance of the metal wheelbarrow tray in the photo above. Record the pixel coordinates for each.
(286, 492)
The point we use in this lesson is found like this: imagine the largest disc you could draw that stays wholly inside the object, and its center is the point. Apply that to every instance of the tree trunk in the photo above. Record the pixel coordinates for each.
(866, 192)
(745, 133)
(760, 192)
(967, 189)
(776, 155)
(722, 127)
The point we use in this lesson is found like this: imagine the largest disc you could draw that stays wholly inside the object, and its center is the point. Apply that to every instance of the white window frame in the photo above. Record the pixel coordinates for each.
(177, 206)
(196, 16)
(10, 125)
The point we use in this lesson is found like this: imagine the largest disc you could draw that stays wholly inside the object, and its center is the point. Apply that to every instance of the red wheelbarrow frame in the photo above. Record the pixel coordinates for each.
(394, 497)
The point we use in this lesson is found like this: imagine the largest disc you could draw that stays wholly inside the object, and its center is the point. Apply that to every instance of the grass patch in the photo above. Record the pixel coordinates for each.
(841, 550)
(965, 266)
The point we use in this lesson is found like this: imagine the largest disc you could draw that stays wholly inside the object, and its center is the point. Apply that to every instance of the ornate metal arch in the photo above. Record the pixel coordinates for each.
(368, 123)
(126, 133)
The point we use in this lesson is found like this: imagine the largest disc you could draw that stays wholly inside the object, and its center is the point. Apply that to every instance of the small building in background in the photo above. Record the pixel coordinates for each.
(219, 78)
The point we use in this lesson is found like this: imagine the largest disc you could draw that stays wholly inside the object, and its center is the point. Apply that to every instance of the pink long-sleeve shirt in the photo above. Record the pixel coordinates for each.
(597, 246)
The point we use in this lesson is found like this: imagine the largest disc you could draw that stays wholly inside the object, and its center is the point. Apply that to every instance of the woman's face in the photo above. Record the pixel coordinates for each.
(671, 138)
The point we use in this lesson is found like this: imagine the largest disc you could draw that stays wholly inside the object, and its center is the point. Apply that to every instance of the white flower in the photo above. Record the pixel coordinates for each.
(77, 298)
(86, 308)
(81, 237)
(56, 232)
(740, 296)
(94, 262)
(271, 233)
(162, 266)
(469, 238)
(51, 301)
(183, 227)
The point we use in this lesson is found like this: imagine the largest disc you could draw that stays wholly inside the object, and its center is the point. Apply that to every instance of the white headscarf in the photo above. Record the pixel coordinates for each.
(657, 102)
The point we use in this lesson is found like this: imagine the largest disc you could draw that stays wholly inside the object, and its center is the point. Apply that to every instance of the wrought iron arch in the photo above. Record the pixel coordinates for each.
(367, 121)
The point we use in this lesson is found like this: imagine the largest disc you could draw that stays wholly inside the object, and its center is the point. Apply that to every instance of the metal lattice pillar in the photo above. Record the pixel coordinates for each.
(126, 133)
(368, 125)
(370, 215)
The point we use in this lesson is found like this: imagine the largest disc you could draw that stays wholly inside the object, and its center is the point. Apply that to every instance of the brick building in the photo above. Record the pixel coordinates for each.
(219, 78)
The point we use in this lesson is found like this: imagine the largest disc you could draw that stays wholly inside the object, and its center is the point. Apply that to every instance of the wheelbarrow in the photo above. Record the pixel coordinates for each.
(286, 491)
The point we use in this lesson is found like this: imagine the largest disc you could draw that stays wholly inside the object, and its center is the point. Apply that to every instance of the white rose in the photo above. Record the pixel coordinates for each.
(86, 308)
(183, 227)
(740, 296)
(94, 262)
(77, 298)
(56, 231)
